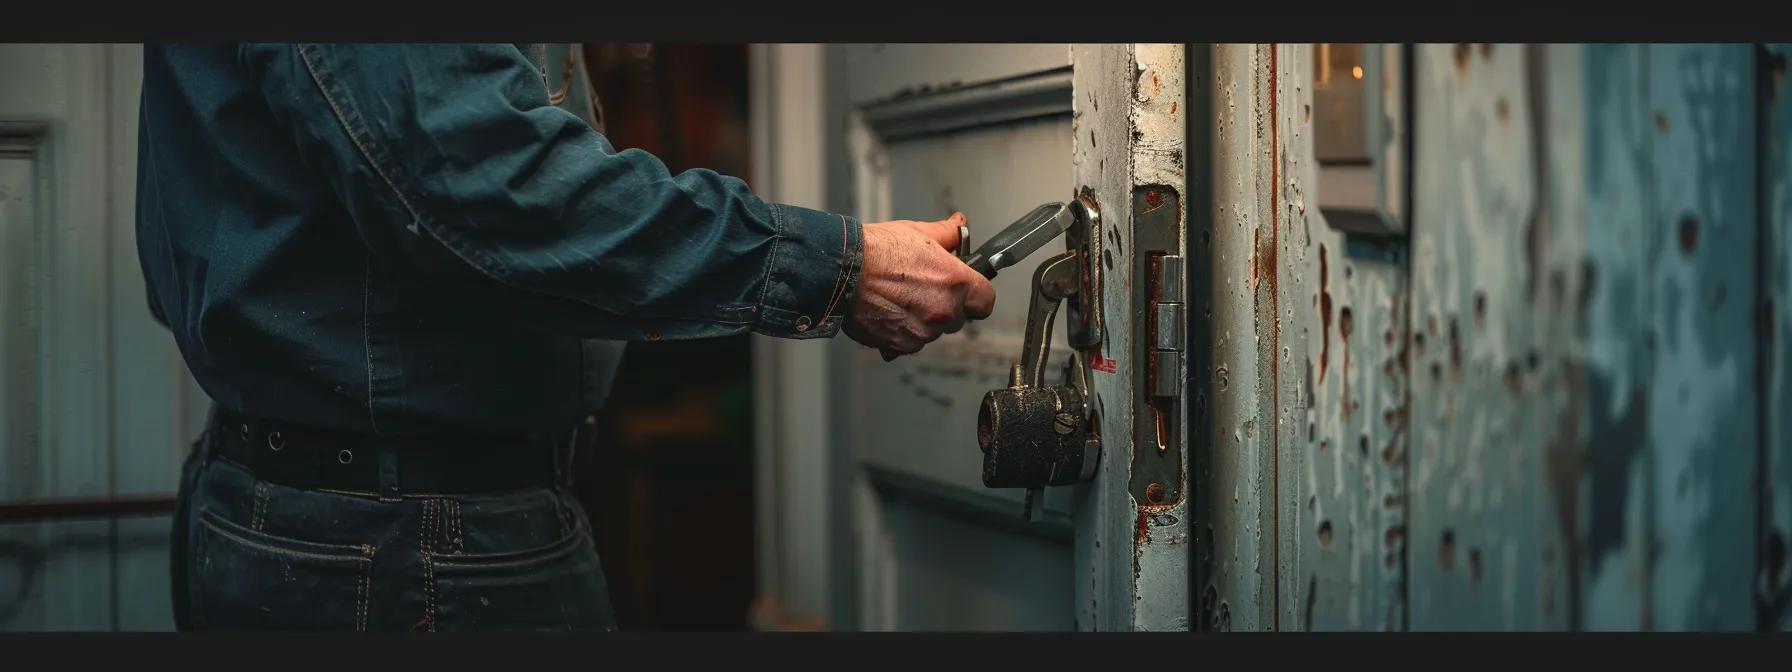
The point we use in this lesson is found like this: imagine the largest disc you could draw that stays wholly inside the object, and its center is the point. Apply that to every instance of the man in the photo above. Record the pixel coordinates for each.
(381, 262)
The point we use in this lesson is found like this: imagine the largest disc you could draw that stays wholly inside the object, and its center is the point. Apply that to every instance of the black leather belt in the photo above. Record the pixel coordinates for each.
(320, 459)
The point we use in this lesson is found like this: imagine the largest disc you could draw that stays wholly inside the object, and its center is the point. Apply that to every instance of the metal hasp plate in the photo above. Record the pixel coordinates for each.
(1157, 454)
(1361, 136)
(1033, 436)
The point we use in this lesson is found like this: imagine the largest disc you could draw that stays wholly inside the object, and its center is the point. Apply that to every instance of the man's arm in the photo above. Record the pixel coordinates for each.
(454, 165)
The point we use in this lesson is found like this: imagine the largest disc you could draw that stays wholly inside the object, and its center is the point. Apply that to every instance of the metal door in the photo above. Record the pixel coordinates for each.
(94, 416)
(993, 131)
(1495, 341)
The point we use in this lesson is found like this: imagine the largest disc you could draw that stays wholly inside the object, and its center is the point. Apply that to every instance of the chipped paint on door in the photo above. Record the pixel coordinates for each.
(1540, 408)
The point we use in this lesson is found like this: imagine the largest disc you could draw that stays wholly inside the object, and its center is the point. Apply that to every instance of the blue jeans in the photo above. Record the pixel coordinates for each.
(253, 555)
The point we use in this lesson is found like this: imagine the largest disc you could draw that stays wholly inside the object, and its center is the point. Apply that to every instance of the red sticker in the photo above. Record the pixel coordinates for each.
(1103, 364)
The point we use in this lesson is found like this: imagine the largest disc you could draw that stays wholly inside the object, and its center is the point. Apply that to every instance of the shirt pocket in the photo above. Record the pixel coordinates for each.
(245, 579)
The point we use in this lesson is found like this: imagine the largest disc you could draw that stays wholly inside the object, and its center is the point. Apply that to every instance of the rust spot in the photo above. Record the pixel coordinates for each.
(1154, 198)
(1387, 455)
(1155, 86)
(1501, 109)
(1661, 121)
(1462, 54)
(1392, 536)
(1689, 234)
(1486, 50)
(1141, 531)
(1325, 312)
(1154, 493)
(652, 334)
(1306, 113)
(1474, 566)
(1446, 551)
(1172, 108)
(1389, 501)
(1325, 534)
(1387, 338)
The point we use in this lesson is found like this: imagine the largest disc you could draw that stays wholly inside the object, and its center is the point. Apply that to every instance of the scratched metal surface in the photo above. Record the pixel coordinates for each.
(1234, 467)
(1163, 533)
(1104, 76)
(1776, 574)
(1474, 548)
(1582, 411)
(1346, 466)
(1702, 397)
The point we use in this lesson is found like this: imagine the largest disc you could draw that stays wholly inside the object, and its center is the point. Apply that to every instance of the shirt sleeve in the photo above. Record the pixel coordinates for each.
(456, 169)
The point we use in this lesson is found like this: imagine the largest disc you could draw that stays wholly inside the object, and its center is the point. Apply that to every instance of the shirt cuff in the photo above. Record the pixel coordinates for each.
(813, 273)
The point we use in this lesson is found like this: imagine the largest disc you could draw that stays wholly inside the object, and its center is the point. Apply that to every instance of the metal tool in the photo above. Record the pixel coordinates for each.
(1031, 435)
(1010, 245)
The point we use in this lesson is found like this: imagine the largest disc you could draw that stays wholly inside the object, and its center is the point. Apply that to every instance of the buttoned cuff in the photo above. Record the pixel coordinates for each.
(812, 275)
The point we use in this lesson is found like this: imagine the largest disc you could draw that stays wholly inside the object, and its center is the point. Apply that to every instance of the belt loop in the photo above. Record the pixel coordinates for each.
(388, 474)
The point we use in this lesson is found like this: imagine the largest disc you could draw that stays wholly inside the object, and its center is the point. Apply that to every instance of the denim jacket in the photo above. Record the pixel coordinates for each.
(412, 239)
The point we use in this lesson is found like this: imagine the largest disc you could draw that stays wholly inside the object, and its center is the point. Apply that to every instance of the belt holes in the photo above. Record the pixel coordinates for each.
(345, 457)
(275, 441)
(245, 432)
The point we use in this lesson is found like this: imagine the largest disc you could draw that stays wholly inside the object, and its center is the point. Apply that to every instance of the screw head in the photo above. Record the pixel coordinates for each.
(1065, 423)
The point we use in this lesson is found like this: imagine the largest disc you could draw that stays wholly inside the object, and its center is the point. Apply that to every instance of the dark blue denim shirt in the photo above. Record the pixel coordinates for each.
(410, 239)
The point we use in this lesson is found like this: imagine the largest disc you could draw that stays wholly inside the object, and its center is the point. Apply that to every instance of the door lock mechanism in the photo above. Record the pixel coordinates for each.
(1033, 435)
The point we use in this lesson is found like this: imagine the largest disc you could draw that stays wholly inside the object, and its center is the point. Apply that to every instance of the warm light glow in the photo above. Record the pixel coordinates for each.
(1356, 71)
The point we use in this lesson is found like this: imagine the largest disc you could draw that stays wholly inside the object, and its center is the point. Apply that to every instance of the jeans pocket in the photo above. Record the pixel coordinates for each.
(245, 579)
(557, 587)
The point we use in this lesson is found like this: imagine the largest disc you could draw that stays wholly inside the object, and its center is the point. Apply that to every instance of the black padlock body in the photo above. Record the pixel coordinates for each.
(1032, 437)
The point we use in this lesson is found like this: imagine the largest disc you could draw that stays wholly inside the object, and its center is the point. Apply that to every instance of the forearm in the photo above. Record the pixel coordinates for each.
(454, 165)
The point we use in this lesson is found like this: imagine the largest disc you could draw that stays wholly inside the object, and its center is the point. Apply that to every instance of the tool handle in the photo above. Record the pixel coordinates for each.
(980, 264)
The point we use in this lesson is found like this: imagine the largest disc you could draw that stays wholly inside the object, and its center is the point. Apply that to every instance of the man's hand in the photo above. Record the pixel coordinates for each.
(912, 289)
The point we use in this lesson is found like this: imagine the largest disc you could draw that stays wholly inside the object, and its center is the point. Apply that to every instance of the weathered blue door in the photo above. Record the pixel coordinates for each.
(1497, 339)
